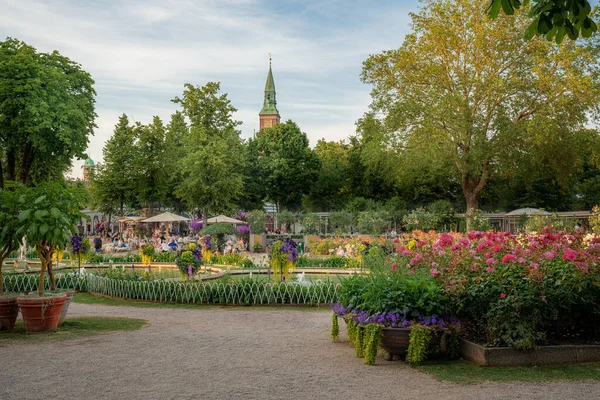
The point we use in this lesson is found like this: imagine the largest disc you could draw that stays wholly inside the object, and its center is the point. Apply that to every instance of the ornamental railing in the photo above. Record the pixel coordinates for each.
(233, 293)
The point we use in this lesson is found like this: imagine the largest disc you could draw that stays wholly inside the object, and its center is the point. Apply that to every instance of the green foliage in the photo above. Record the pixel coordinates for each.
(330, 190)
(420, 219)
(283, 164)
(595, 220)
(46, 113)
(418, 348)
(311, 223)
(329, 262)
(537, 223)
(396, 292)
(351, 329)
(335, 329)
(49, 215)
(256, 221)
(359, 341)
(372, 222)
(498, 111)
(219, 229)
(372, 340)
(10, 204)
(552, 19)
(478, 221)
(212, 168)
(341, 220)
(148, 250)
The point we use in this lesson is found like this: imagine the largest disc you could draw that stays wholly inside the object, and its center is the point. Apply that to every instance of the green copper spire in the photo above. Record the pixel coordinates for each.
(270, 103)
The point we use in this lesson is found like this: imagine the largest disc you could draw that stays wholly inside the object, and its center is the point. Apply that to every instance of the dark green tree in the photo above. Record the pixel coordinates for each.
(46, 113)
(150, 163)
(286, 165)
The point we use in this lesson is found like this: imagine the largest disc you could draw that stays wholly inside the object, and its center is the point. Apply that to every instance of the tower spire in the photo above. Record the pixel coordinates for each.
(269, 115)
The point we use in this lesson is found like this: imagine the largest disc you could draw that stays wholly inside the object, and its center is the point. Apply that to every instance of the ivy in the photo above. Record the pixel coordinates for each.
(418, 346)
(335, 329)
(351, 327)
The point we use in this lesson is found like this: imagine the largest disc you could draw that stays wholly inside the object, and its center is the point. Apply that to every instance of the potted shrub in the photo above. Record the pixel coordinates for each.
(49, 219)
(189, 260)
(258, 248)
(282, 256)
(9, 242)
(147, 252)
(404, 313)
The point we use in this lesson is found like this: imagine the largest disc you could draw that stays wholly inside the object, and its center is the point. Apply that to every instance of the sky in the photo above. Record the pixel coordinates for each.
(141, 52)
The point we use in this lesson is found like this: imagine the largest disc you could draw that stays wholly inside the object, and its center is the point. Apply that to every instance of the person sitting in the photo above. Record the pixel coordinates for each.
(98, 244)
(173, 245)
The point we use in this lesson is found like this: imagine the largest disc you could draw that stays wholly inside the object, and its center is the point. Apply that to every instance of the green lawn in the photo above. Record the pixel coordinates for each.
(73, 328)
(87, 298)
(463, 372)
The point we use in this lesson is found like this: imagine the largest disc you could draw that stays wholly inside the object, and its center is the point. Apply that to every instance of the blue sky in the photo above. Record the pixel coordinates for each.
(141, 52)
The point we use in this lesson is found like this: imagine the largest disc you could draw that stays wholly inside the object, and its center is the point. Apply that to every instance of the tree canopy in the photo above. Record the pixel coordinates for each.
(469, 90)
(46, 113)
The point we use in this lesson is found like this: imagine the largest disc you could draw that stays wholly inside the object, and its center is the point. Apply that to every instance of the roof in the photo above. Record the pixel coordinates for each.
(528, 211)
(270, 101)
(224, 219)
(88, 163)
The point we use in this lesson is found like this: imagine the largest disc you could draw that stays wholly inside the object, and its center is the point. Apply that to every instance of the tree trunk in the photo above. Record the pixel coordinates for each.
(472, 186)
(41, 280)
(10, 165)
(26, 163)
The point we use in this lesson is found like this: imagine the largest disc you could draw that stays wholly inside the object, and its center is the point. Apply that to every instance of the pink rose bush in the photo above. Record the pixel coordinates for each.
(515, 290)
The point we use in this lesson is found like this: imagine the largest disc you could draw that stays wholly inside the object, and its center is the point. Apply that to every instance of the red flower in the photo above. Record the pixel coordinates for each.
(508, 258)
(502, 295)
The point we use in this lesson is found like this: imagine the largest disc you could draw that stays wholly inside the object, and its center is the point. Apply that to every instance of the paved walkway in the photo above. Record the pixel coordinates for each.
(216, 353)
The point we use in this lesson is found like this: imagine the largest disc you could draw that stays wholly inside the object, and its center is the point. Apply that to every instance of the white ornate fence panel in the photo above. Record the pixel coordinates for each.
(248, 293)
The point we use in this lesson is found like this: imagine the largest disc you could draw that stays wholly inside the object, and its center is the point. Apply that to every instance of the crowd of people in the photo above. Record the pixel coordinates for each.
(131, 240)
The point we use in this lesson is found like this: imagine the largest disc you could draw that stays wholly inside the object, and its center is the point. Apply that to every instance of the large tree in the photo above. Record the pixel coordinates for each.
(113, 181)
(150, 164)
(212, 167)
(471, 88)
(286, 165)
(177, 130)
(46, 113)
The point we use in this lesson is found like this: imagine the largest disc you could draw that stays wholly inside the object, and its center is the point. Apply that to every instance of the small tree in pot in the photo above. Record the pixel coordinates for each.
(49, 219)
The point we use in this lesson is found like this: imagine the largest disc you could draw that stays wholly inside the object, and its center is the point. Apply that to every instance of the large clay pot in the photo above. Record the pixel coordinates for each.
(9, 309)
(65, 309)
(396, 340)
(41, 314)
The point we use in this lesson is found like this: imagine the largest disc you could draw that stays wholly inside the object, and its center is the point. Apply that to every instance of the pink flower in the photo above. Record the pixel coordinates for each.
(473, 266)
(508, 258)
(434, 272)
(416, 259)
(489, 270)
(502, 295)
(534, 266)
(550, 255)
(521, 260)
(406, 253)
(394, 266)
(569, 254)
(491, 261)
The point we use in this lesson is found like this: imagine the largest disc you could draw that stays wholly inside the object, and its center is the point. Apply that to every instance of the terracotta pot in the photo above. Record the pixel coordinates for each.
(65, 309)
(396, 340)
(9, 309)
(41, 314)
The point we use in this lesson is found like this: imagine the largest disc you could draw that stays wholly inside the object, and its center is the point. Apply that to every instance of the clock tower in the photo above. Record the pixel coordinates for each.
(269, 115)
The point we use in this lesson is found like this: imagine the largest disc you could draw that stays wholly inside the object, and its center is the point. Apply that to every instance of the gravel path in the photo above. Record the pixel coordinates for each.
(216, 353)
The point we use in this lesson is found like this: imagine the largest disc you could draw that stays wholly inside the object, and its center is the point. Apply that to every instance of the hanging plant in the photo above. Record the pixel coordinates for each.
(335, 329)
(420, 337)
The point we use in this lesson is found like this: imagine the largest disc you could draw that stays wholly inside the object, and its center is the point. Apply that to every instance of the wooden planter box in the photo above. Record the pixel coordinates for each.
(542, 355)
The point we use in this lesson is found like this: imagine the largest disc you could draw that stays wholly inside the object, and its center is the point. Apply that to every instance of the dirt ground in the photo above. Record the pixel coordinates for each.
(220, 353)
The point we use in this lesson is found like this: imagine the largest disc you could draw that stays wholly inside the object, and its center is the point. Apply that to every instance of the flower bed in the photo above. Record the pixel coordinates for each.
(518, 291)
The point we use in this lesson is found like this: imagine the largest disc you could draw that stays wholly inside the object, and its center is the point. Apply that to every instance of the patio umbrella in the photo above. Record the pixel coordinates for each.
(222, 219)
(166, 217)
(528, 211)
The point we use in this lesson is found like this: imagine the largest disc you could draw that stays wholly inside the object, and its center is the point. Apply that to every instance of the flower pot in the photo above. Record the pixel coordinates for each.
(396, 340)
(65, 309)
(9, 309)
(41, 314)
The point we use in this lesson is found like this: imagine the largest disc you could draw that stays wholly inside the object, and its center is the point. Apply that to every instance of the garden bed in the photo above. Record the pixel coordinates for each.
(541, 355)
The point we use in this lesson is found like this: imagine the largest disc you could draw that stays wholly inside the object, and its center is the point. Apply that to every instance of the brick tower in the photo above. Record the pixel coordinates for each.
(269, 115)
